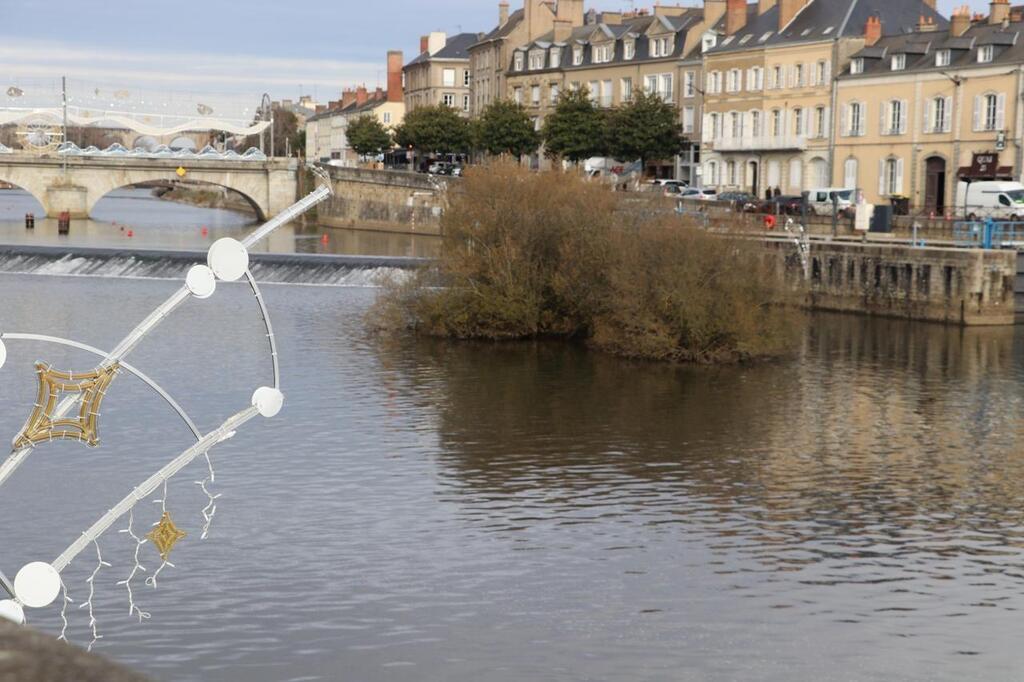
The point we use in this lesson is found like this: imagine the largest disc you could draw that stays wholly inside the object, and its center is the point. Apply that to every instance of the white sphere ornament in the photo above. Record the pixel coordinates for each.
(201, 281)
(268, 401)
(228, 259)
(3, 353)
(12, 611)
(37, 585)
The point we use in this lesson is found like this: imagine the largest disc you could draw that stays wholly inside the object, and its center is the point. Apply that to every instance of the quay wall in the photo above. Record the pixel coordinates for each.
(390, 201)
(967, 287)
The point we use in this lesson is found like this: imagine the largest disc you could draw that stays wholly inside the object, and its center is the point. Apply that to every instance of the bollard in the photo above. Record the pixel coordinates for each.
(30, 221)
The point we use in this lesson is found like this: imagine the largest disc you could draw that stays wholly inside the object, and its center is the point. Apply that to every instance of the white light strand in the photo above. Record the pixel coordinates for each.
(100, 563)
(133, 608)
(211, 508)
(64, 613)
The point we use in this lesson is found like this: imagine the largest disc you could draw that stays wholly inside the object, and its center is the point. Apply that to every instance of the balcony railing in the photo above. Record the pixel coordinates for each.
(761, 143)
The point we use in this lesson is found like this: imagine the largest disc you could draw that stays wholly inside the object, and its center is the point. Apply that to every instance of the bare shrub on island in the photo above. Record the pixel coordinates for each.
(530, 255)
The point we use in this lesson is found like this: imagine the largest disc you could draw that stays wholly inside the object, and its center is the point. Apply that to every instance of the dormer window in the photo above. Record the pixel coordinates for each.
(708, 42)
(601, 54)
(629, 49)
(660, 47)
(536, 60)
(556, 57)
(986, 54)
(518, 62)
(899, 62)
(943, 57)
(577, 55)
(857, 66)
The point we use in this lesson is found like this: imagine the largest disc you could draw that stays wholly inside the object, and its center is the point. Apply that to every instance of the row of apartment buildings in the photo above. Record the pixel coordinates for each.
(884, 95)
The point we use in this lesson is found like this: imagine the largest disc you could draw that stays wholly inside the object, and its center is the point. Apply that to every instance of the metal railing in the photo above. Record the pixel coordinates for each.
(759, 143)
(988, 234)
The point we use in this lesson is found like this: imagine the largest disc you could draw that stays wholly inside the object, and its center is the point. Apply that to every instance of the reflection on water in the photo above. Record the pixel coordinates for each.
(156, 224)
(428, 511)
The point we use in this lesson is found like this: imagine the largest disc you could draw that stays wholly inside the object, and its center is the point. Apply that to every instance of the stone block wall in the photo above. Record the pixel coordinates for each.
(955, 286)
(392, 201)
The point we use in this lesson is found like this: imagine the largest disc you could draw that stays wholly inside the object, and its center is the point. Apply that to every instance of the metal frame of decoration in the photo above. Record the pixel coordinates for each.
(39, 584)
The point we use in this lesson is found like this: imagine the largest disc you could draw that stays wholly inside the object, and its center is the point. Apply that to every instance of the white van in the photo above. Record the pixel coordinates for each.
(990, 199)
(819, 201)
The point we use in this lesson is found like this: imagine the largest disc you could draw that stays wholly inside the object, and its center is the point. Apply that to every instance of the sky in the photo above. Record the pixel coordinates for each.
(233, 48)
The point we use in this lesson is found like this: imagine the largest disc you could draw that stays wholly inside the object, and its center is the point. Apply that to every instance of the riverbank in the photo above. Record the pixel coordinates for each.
(205, 197)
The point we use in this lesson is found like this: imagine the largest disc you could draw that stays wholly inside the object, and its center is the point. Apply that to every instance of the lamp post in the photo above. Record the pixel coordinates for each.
(267, 114)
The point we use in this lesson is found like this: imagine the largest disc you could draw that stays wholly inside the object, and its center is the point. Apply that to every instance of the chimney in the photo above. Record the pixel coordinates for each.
(502, 13)
(611, 18)
(669, 11)
(713, 11)
(424, 44)
(321, 108)
(872, 30)
(436, 42)
(765, 5)
(395, 93)
(926, 25)
(999, 11)
(960, 21)
(563, 30)
(1016, 14)
(789, 9)
(362, 96)
(347, 97)
(571, 11)
(735, 16)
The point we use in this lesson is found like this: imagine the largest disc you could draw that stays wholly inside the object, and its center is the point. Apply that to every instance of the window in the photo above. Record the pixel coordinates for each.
(606, 93)
(821, 73)
(577, 55)
(553, 92)
(798, 121)
(736, 125)
(856, 119)
(626, 89)
(985, 54)
(799, 77)
(730, 173)
(535, 95)
(712, 174)
(755, 123)
(755, 79)
(517, 95)
(601, 54)
(732, 83)
(465, 102)
(776, 81)
(448, 99)
(707, 42)
(850, 174)
(820, 122)
(467, 78)
(517, 63)
(595, 91)
(688, 118)
(938, 119)
(776, 122)
(991, 112)
(943, 57)
(899, 62)
(660, 47)
(689, 84)
(665, 87)
(650, 84)
(714, 125)
(796, 174)
(629, 49)
(448, 78)
(896, 121)
(387, 118)
(857, 66)
(891, 177)
(536, 60)
(556, 57)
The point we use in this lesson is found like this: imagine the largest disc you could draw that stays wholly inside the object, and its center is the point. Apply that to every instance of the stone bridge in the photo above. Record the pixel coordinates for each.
(269, 186)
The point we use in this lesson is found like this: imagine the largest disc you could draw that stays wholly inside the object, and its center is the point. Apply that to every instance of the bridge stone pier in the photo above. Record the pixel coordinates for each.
(269, 186)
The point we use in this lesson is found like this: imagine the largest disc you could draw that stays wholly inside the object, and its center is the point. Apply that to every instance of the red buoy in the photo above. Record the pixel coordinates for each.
(131, 233)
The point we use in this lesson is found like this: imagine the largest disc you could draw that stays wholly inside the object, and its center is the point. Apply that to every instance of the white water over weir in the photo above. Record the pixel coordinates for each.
(300, 269)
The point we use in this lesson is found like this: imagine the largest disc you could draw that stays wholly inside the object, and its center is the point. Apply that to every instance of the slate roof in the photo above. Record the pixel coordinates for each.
(351, 109)
(634, 27)
(502, 31)
(457, 47)
(1007, 43)
(826, 20)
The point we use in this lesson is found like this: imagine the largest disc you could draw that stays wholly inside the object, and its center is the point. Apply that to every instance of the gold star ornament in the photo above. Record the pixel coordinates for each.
(165, 536)
(42, 426)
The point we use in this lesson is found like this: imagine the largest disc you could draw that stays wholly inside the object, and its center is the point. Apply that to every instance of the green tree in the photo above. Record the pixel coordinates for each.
(646, 128)
(368, 136)
(504, 127)
(434, 129)
(576, 129)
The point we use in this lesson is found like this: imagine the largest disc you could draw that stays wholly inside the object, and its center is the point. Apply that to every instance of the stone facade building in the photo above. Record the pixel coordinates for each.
(440, 74)
(913, 108)
(769, 86)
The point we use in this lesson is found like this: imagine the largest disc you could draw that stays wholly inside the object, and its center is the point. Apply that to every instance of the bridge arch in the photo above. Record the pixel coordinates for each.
(252, 203)
(39, 197)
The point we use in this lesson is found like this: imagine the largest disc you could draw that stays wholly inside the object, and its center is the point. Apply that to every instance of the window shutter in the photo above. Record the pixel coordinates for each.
(977, 113)
(863, 128)
(947, 120)
(929, 113)
(903, 116)
(844, 125)
(883, 116)
(881, 178)
(1001, 112)
(899, 176)
(827, 122)
(828, 72)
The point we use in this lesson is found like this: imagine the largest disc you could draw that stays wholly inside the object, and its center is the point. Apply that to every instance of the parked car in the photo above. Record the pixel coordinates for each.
(819, 201)
(704, 194)
(996, 199)
(783, 205)
(740, 201)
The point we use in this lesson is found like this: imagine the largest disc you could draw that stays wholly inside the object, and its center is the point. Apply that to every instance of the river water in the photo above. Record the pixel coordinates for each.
(437, 511)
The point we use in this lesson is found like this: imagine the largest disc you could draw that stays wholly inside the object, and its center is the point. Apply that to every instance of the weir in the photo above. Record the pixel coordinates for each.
(300, 269)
